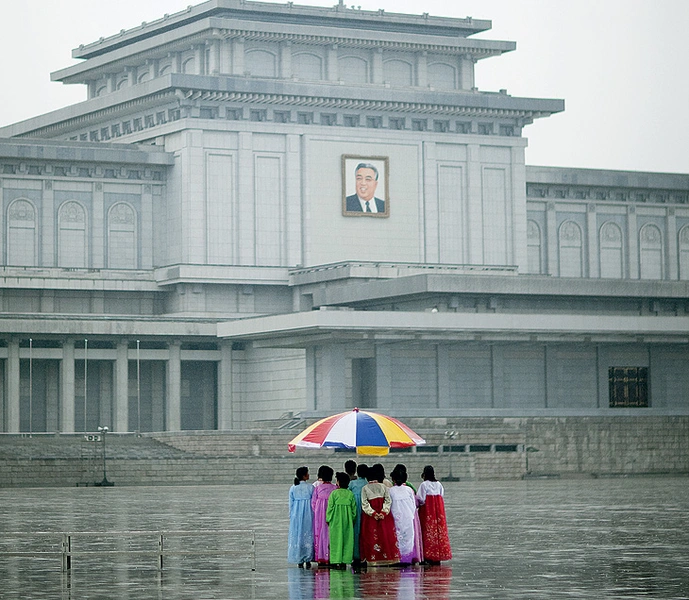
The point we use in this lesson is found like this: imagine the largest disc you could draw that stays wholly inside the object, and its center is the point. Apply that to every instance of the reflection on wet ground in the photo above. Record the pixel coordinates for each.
(582, 539)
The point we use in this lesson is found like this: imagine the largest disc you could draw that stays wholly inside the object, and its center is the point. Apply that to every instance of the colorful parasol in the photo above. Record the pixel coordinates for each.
(367, 432)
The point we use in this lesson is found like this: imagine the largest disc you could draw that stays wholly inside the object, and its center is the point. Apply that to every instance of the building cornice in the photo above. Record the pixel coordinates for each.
(182, 88)
(285, 15)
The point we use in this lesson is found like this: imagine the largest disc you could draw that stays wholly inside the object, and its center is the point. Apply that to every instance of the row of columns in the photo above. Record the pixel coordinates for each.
(121, 392)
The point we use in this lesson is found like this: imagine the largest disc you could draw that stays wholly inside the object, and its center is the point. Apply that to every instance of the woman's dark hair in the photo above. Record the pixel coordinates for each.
(399, 476)
(342, 480)
(350, 467)
(362, 470)
(301, 471)
(400, 467)
(428, 473)
(325, 473)
(376, 473)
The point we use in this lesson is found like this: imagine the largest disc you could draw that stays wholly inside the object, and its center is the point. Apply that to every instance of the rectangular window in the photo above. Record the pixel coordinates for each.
(374, 122)
(281, 117)
(160, 118)
(329, 120)
(305, 118)
(149, 121)
(351, 120)
(441, 126)
(257, 115)
(485, 128)
(419, 125)
(396, 123)
(507, 130)
(463, 127)
(233, 114)
(126, 127)
(628, 387)
(138, 125)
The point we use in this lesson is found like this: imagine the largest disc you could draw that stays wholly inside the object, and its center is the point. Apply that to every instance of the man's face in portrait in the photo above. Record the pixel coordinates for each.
(366, 183)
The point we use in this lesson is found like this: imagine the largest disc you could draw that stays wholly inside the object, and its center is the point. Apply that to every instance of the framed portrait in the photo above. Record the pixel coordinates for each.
(365, 186)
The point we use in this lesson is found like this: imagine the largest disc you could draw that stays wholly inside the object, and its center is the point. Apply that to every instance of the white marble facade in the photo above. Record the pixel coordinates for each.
(202, 183)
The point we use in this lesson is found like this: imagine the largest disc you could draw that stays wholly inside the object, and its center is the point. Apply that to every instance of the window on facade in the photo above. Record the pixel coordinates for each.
(161, 118)
(126, 127)
(93, 136)
(507, 130)
(419, 125)
(206, 113)
(441, 126)
(281, 116)
(257, 115)
(328, 119)
(115, 130)
(374, 122)
(148, 121)
(138, 125)
(485, 128)
(351, 120)
(174, 114)
(304, 118)
(396, 123)
(463, 127)
(233, 114)
(628, 387)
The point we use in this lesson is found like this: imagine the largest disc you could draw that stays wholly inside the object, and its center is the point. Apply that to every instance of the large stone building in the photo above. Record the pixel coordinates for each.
(178, 251)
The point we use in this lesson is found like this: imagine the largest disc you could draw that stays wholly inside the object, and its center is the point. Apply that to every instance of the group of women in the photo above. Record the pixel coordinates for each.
(366, 518)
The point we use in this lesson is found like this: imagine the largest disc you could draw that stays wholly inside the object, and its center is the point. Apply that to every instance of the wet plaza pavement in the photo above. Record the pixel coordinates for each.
(536, 539)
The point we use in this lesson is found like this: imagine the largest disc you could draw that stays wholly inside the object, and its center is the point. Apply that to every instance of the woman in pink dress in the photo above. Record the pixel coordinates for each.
(436, 541)
(319, 503)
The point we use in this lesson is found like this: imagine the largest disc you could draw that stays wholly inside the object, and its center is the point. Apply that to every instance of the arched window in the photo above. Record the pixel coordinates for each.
(101, 90)
(442, 76)
(165, 70)
(21, 233)
(122, 83)
(398, 72)
(650, 252)
(145, 76)
(71, 236)
(353, 69)
(122, 239)
(307, 66)
(571, 255)
(684, 253)
(611, 256)
(189, 66)
(533, 245)
(261, 63)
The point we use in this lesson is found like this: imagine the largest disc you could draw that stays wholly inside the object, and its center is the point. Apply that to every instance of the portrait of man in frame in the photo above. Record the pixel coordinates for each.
(365, 185)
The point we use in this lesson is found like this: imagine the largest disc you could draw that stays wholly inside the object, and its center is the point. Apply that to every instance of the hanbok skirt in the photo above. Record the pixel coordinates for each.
(377, 540)
(436, 541)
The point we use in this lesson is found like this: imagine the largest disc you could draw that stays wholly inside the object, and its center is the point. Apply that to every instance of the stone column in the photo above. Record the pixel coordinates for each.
(121, 412)
(466, 72)
(593, 241)
(13, 414)
(67, 378)
(430, 213)
(238, 56)
(443, 371)
(98, 240)
(632, 243)
(174, 388)
(332, 73)
(671, 245)
(551, 240)
(286, 60)
(225, 396)
(48, 218)
(377, 66)
(422, 69)
(330, 377)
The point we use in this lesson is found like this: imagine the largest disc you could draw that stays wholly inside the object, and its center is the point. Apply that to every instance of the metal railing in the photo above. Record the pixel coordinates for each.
(160, 540)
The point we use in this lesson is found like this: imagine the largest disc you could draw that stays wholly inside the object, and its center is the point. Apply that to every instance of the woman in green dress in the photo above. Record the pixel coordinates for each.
(340, 518)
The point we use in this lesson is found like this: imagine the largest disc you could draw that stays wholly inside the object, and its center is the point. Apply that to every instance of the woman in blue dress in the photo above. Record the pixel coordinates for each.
(300, 541)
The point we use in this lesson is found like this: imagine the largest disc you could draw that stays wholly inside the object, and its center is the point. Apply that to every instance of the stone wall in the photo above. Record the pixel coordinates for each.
(470, 449)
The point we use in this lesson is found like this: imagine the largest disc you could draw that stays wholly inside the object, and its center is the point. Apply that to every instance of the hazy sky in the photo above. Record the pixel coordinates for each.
(622, 67)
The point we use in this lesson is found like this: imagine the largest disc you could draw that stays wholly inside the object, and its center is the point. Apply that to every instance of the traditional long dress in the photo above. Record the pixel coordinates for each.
(300, 540)
(378, 542)
(405, 513)
(319, 503)
(340, 517)
(436, 541)
(356, 486)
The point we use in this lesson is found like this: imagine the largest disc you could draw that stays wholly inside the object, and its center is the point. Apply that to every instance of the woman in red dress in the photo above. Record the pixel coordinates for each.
(436, 541)
(377, 541)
